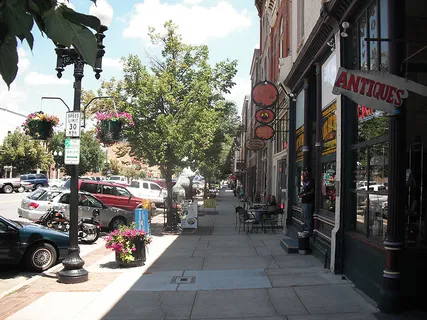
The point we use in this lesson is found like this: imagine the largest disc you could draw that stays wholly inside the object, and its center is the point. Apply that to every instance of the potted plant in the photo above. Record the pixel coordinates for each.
(129, 245)
(40, 125)
(110, 126)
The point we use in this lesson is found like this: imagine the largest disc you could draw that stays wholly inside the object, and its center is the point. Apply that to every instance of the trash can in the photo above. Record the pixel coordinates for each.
(303, 242)
(141, 220)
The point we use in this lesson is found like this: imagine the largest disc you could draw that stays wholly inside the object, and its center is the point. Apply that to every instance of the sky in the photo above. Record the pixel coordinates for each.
(230, 28)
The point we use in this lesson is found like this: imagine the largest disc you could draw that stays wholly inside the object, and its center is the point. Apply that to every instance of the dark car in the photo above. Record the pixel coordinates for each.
(38, 180)
(38, 247)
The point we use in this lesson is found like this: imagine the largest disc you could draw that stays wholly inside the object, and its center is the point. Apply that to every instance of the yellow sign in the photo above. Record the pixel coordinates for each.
(329, 130)
(209, 203)
(145, 204)
(299, 142)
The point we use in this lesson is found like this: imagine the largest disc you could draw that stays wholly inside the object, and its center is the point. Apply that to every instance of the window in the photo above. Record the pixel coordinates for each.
(155, 187)
(89, 201)
(65, 198)
(281, 40)
(134, 184)
(49, 195)
(3, 227)
(36, 194)
(281, 133)
(145, 185)
(300, 21)
(108, 190)
(41, 176)
(31, 177)
(328, 186)
(90, 187)
(122, 192)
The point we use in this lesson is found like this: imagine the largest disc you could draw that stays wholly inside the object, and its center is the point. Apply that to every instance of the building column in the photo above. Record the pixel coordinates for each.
(318, 145)
(307, 127)
(391, 295)
(290, 184)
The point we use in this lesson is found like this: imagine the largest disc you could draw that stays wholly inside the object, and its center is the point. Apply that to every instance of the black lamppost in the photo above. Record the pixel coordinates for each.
(57, 156)
(73, 271)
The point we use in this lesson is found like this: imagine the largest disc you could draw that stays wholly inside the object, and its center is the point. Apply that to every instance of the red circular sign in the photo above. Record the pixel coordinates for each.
(265, 94)
(264, 132)
(265, 116)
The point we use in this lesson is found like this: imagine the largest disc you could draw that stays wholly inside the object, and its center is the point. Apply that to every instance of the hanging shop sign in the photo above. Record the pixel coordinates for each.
(299, 143)
(255, 144)
(265, 94)
(264, 132)
(329, 129)
(265, 116)
(376, 89)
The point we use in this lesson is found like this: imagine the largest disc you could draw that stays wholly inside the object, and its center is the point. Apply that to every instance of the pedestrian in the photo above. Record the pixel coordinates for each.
(307, 200)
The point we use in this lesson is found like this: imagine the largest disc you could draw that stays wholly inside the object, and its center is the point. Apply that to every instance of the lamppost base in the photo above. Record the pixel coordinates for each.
(73, 276)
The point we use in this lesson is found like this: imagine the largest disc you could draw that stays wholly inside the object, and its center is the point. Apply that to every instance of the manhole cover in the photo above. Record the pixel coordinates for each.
(183, 280)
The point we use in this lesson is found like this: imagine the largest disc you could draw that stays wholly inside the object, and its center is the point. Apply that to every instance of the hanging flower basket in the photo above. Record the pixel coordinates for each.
(110, 126)
(129, 245)
(40, 125)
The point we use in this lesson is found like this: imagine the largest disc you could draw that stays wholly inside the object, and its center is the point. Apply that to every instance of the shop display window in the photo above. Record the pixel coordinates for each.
(328, 186)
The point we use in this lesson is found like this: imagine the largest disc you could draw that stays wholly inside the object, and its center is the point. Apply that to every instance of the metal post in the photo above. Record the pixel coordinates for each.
(391, 295)
(319, 142)
(307, 128)
(73, 271)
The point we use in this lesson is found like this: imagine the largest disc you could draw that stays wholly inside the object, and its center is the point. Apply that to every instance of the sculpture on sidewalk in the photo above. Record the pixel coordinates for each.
(182, 189)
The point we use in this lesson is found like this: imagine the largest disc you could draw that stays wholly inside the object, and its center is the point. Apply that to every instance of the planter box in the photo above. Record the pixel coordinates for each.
(139, 254)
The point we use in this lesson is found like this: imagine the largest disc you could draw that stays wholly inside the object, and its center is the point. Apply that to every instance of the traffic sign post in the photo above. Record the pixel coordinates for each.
(72, 151)
(73, 124)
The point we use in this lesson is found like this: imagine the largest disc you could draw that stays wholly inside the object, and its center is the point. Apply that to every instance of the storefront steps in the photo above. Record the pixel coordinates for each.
(290, 245)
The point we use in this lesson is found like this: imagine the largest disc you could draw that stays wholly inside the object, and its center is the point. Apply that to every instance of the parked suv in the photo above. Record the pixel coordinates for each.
(111, 194)
(38, 180)
(148, 190)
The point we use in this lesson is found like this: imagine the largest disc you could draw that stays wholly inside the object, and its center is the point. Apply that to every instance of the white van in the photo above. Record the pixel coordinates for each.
(148, 190)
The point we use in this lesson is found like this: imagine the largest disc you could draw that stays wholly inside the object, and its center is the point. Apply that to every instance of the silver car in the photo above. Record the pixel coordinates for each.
(110, 217)
(36, 203)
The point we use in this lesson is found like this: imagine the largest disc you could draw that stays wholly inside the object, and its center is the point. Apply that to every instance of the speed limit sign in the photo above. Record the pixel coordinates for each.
(72, 124)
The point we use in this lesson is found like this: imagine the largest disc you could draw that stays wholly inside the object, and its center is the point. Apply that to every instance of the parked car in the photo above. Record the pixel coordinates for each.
(40, 248)
(9, 185)
(148, 190)
(118, 179)
(112, 194)
(37, 202)
(38, 179)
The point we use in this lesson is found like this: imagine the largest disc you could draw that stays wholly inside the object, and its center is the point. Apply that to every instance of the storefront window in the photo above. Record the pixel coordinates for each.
(298, 184)
(281, 181)
(373, 33)
(384, 35)
(371, 183)
(363, 44)
(328, 186)
(371, 123)
(282, 133)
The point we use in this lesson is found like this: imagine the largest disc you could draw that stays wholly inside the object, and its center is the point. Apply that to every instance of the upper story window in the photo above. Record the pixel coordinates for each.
(281, 40)
(300, 20)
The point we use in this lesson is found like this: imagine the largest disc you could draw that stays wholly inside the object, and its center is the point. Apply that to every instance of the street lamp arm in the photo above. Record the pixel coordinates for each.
(87, 105)
(13, 112)
(56, 98)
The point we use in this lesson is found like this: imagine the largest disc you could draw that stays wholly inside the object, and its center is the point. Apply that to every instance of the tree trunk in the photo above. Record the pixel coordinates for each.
(169, 198)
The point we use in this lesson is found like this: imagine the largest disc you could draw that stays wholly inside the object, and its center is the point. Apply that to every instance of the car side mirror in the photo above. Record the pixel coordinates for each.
(95, 212)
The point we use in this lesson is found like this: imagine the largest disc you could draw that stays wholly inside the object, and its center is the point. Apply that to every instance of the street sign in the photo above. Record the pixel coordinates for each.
(72, 151)
(73, 124)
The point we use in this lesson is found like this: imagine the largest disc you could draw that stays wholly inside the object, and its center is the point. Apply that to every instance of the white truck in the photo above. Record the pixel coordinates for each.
(9, 185)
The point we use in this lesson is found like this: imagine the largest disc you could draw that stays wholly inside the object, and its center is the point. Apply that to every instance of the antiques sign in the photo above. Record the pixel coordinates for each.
(265, 116)
(376, 89)
(255, 144)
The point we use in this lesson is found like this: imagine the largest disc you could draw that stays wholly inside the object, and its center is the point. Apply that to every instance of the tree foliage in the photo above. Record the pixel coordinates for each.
(177, 103)
(92, 157)
(59, 23)
(24, 153)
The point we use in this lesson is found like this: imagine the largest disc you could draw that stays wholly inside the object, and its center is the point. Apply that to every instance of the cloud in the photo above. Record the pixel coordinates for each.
(39, 79)
(196, 23)
(112, 63)
(192, 1)
(239, 91)
(12, 100)
(23, 62)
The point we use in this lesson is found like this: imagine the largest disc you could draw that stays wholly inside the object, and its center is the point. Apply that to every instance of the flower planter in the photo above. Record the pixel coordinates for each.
(110, 127)
(139, 255)
(39, 126)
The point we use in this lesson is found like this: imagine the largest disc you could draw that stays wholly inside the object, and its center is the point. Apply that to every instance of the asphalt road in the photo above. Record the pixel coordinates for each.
(9, 204)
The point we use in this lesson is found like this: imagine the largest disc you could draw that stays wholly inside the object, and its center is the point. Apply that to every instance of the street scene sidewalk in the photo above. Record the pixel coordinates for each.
(213, 272)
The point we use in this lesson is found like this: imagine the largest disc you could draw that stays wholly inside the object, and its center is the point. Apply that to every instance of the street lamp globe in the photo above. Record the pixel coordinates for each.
(55, 153)
(103, 11)
(60, 153)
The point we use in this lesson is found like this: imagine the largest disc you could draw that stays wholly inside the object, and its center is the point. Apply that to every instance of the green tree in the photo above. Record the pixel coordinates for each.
(114, 167)
(24, 153)
(176, 102)
(59, 23)
(92, 157)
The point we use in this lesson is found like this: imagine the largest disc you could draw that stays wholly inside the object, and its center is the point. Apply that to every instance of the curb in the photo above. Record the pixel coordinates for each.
(53, 269)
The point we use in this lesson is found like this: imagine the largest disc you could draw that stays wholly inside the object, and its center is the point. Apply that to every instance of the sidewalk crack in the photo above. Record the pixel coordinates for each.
(269, 299)
(160, 306)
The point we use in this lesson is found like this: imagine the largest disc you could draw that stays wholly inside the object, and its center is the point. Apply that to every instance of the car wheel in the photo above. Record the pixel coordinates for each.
(117, 222)
(7, 189)
(41, 257)
(38, 186)
(21, 189)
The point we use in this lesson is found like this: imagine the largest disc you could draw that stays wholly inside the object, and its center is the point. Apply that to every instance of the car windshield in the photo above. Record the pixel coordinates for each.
(114, 178)
(36, 194)
(49, 195)
(14, 223)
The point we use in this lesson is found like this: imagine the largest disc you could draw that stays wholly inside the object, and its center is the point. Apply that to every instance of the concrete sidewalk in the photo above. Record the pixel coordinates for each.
(211, 273)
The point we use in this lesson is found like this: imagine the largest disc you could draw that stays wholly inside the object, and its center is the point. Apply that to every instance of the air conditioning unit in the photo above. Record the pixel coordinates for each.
(285, 66)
